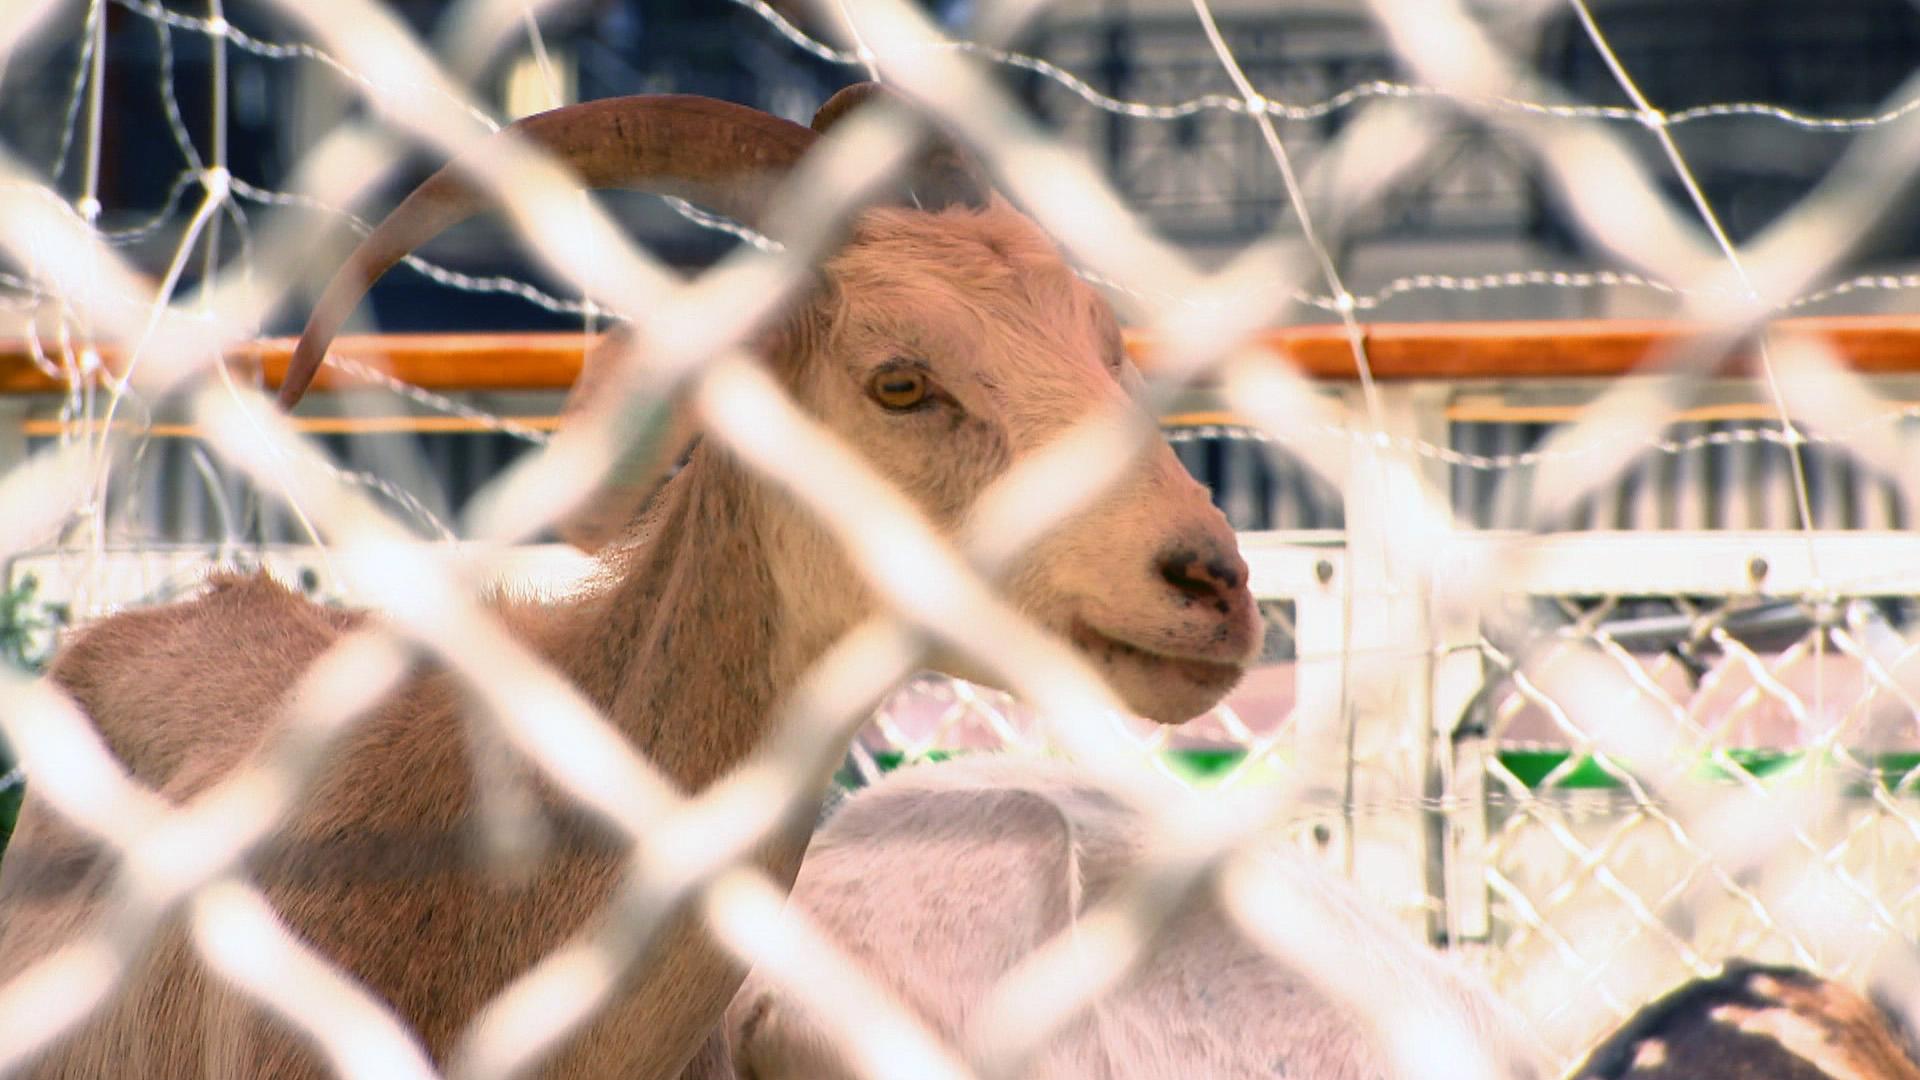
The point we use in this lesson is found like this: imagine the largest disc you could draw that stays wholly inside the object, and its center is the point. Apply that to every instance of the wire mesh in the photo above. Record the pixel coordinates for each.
(1593, 780)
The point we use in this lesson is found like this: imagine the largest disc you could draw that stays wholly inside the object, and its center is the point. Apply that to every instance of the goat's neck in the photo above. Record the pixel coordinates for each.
(686, 650)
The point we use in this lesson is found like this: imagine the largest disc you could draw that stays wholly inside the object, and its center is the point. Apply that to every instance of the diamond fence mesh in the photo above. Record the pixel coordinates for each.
(1593, 763)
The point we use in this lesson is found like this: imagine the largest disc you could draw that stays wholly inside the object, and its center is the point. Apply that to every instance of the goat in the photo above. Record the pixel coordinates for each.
(942, 342)
(1754, 1022)
(941, 877)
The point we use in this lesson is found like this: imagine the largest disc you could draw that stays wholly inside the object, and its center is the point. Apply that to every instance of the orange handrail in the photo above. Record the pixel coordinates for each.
(1601, 348)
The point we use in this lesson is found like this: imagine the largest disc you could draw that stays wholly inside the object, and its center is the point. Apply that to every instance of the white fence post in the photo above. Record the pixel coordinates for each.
(1313, 575)
(1388, 721)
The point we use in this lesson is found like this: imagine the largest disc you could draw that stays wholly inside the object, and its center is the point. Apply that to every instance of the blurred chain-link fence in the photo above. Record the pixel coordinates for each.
(1522, 680)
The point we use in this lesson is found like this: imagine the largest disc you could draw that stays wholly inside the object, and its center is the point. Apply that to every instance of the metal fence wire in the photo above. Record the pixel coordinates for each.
(1592, 763)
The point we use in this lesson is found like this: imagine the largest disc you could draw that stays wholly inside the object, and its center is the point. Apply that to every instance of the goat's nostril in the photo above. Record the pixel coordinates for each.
(1225, 573)
(1197, 577)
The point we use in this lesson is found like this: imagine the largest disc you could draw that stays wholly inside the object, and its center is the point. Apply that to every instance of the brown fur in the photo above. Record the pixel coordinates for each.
(634, 479)
(943, 877)
(723, 596)
(1755, 1023)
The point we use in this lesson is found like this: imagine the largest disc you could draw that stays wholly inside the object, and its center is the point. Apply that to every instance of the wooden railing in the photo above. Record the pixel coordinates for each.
(448, 362)
(1454, 396)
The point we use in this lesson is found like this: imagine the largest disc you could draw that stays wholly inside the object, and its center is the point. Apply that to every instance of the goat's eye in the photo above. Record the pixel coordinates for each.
(899, 389)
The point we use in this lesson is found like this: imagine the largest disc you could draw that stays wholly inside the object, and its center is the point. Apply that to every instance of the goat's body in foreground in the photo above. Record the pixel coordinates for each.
(941, 878)
(1756, 1023)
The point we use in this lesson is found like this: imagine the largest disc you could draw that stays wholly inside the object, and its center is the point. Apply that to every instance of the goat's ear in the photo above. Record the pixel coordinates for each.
(944, 174)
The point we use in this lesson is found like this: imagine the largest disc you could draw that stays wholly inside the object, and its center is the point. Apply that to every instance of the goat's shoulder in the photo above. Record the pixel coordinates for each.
(160, 682)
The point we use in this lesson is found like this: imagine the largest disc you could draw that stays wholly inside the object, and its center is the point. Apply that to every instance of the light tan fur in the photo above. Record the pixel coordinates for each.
(942, 877)
(706, 615)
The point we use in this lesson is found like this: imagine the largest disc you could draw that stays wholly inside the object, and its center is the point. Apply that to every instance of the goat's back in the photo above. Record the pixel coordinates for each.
(199, 679)
(941, 878)
(375, 871)
(180, 693)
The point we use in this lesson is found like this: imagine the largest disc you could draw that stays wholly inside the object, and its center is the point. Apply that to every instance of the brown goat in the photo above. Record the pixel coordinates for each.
(1753, 1022)
(942, 877)
(942, 343)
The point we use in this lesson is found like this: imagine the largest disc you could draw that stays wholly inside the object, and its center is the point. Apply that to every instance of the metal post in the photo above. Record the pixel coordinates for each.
(13, 432)
(1388, 691)
(1456, 789)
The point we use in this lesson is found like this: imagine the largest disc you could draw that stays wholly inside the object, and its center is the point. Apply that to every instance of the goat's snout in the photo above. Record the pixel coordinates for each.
(1211, 576)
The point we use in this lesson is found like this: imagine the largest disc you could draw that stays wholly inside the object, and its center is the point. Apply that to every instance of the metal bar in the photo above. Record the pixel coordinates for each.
(1521, 351)
(1697, 563)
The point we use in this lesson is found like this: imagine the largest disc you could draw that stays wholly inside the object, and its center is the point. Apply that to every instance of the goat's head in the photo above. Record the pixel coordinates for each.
(946, 340)
(949, 345)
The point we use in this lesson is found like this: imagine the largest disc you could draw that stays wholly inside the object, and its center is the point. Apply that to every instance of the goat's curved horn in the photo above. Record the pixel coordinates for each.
(724, 156)
(943, 173)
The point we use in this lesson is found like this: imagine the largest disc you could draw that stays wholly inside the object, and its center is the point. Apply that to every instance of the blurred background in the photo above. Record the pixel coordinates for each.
(1473, 235)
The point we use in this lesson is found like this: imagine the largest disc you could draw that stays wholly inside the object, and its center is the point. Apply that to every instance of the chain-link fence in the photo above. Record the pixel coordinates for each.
(1594, 763)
